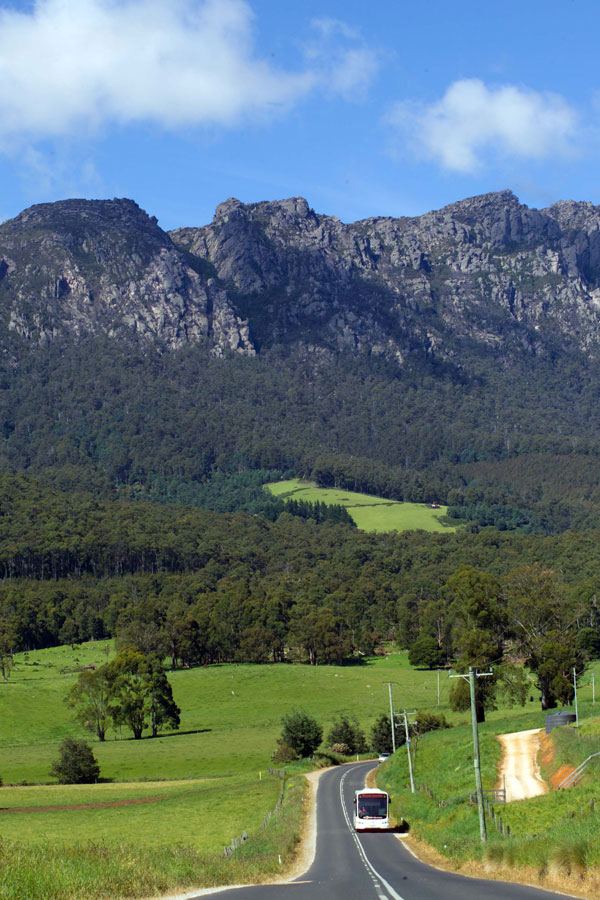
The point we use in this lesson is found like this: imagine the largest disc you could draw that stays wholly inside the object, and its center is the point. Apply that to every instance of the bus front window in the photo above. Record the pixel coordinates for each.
(372, 808)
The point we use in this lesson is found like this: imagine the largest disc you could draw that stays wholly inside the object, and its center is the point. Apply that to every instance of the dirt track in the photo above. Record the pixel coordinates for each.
(519, 769)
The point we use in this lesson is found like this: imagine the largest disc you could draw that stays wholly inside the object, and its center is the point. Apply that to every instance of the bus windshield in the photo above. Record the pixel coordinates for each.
(372, 806)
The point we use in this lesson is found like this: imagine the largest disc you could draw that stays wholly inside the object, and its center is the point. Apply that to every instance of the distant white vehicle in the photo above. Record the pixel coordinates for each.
(371, 810)
(384, 756)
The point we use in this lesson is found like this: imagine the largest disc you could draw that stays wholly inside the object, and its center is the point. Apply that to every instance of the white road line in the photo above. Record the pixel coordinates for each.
(365, 859)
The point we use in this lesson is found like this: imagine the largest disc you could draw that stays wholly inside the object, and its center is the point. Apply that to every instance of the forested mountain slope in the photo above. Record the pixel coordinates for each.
(415, 358)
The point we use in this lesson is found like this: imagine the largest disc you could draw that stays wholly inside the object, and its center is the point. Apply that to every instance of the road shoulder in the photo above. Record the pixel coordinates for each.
(558, 884)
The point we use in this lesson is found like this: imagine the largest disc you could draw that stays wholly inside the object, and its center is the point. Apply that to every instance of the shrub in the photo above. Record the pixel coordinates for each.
(425, 653)
(429, 722)
(301, 732)
(76, 763)
(381, 734)
(344, 749)
(284, 754)
(347, 732)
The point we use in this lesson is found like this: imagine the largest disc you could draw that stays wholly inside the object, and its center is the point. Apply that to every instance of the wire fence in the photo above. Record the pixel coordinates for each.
(489, 795)
(238, 841)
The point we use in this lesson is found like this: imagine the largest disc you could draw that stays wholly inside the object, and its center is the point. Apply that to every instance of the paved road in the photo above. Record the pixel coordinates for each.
(371, 866)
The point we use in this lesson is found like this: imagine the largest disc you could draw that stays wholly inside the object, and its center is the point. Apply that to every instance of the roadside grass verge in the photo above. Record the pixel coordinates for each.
(99, 870)
(573, 745)
(553, 837)
(370, 513)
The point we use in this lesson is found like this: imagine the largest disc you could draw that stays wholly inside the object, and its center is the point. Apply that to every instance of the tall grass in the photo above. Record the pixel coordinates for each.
(156, 812)
(100, 870)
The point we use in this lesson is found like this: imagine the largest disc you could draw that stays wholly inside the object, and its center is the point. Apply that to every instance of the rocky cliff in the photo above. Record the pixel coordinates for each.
(486, 270)
(82, 266)
(484, 273)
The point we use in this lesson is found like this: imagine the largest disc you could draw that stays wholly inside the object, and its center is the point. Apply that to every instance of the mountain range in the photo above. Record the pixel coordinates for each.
(486, 273)
(450, 356)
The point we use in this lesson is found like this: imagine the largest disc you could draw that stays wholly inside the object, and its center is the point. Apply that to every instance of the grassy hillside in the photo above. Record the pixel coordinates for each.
(230, 714)
(552, 836)
(370, 513)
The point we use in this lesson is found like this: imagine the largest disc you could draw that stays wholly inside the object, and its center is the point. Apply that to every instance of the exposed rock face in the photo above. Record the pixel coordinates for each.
(105, 266)
(486, 272)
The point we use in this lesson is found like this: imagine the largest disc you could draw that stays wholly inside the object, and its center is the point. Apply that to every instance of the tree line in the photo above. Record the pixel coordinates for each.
(197, 587)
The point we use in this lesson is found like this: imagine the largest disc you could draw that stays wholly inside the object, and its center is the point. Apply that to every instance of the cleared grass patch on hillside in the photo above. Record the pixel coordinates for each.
(369, 512)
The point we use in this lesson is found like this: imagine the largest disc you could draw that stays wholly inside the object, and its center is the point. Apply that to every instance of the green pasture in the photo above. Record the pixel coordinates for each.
(97, 869)
(369, 512)
(206, 814)
(205, 784)
(230, 714)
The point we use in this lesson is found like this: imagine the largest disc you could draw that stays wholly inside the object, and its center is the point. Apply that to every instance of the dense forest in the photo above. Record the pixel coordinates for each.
(132, 506)
(509, 446)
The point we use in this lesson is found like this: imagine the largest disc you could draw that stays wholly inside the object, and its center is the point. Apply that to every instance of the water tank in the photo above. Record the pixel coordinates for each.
(559, 718)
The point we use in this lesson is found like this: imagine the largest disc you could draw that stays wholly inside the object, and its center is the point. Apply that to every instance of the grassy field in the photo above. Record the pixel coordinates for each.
(370, 513)
(98, 870)
(182, 808)
(231, 718)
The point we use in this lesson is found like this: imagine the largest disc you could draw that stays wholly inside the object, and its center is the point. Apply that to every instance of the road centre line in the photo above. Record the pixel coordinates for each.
(365, 859)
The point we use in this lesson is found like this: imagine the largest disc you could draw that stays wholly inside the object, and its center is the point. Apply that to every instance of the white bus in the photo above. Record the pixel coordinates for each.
(371, 810)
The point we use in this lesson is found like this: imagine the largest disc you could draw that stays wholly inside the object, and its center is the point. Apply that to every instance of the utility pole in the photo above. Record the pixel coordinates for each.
(575, 691)
(438, 673)
(473, 674)
(392, 723)
(407, 738)
(593, 689)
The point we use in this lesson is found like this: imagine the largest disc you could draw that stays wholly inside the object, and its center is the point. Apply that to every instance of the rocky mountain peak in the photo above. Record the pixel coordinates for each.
(486, 270)
(85, 266)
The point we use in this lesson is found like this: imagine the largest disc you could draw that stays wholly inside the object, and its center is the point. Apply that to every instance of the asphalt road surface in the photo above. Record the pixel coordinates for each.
(349, 866)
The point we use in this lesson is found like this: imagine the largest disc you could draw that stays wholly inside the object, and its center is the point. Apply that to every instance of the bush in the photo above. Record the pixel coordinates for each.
(284, 754)
(347, 732)
(301, 732)
(76, 763)
(381, 734)
(429, 722)
(425, 653)
(344, 749)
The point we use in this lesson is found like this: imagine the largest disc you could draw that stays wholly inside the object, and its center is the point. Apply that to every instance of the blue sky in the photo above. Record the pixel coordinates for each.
(364, 108)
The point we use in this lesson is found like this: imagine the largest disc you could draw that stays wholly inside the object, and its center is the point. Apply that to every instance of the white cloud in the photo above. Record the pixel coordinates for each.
(346, 65)
(69, 67)
(472, 120)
